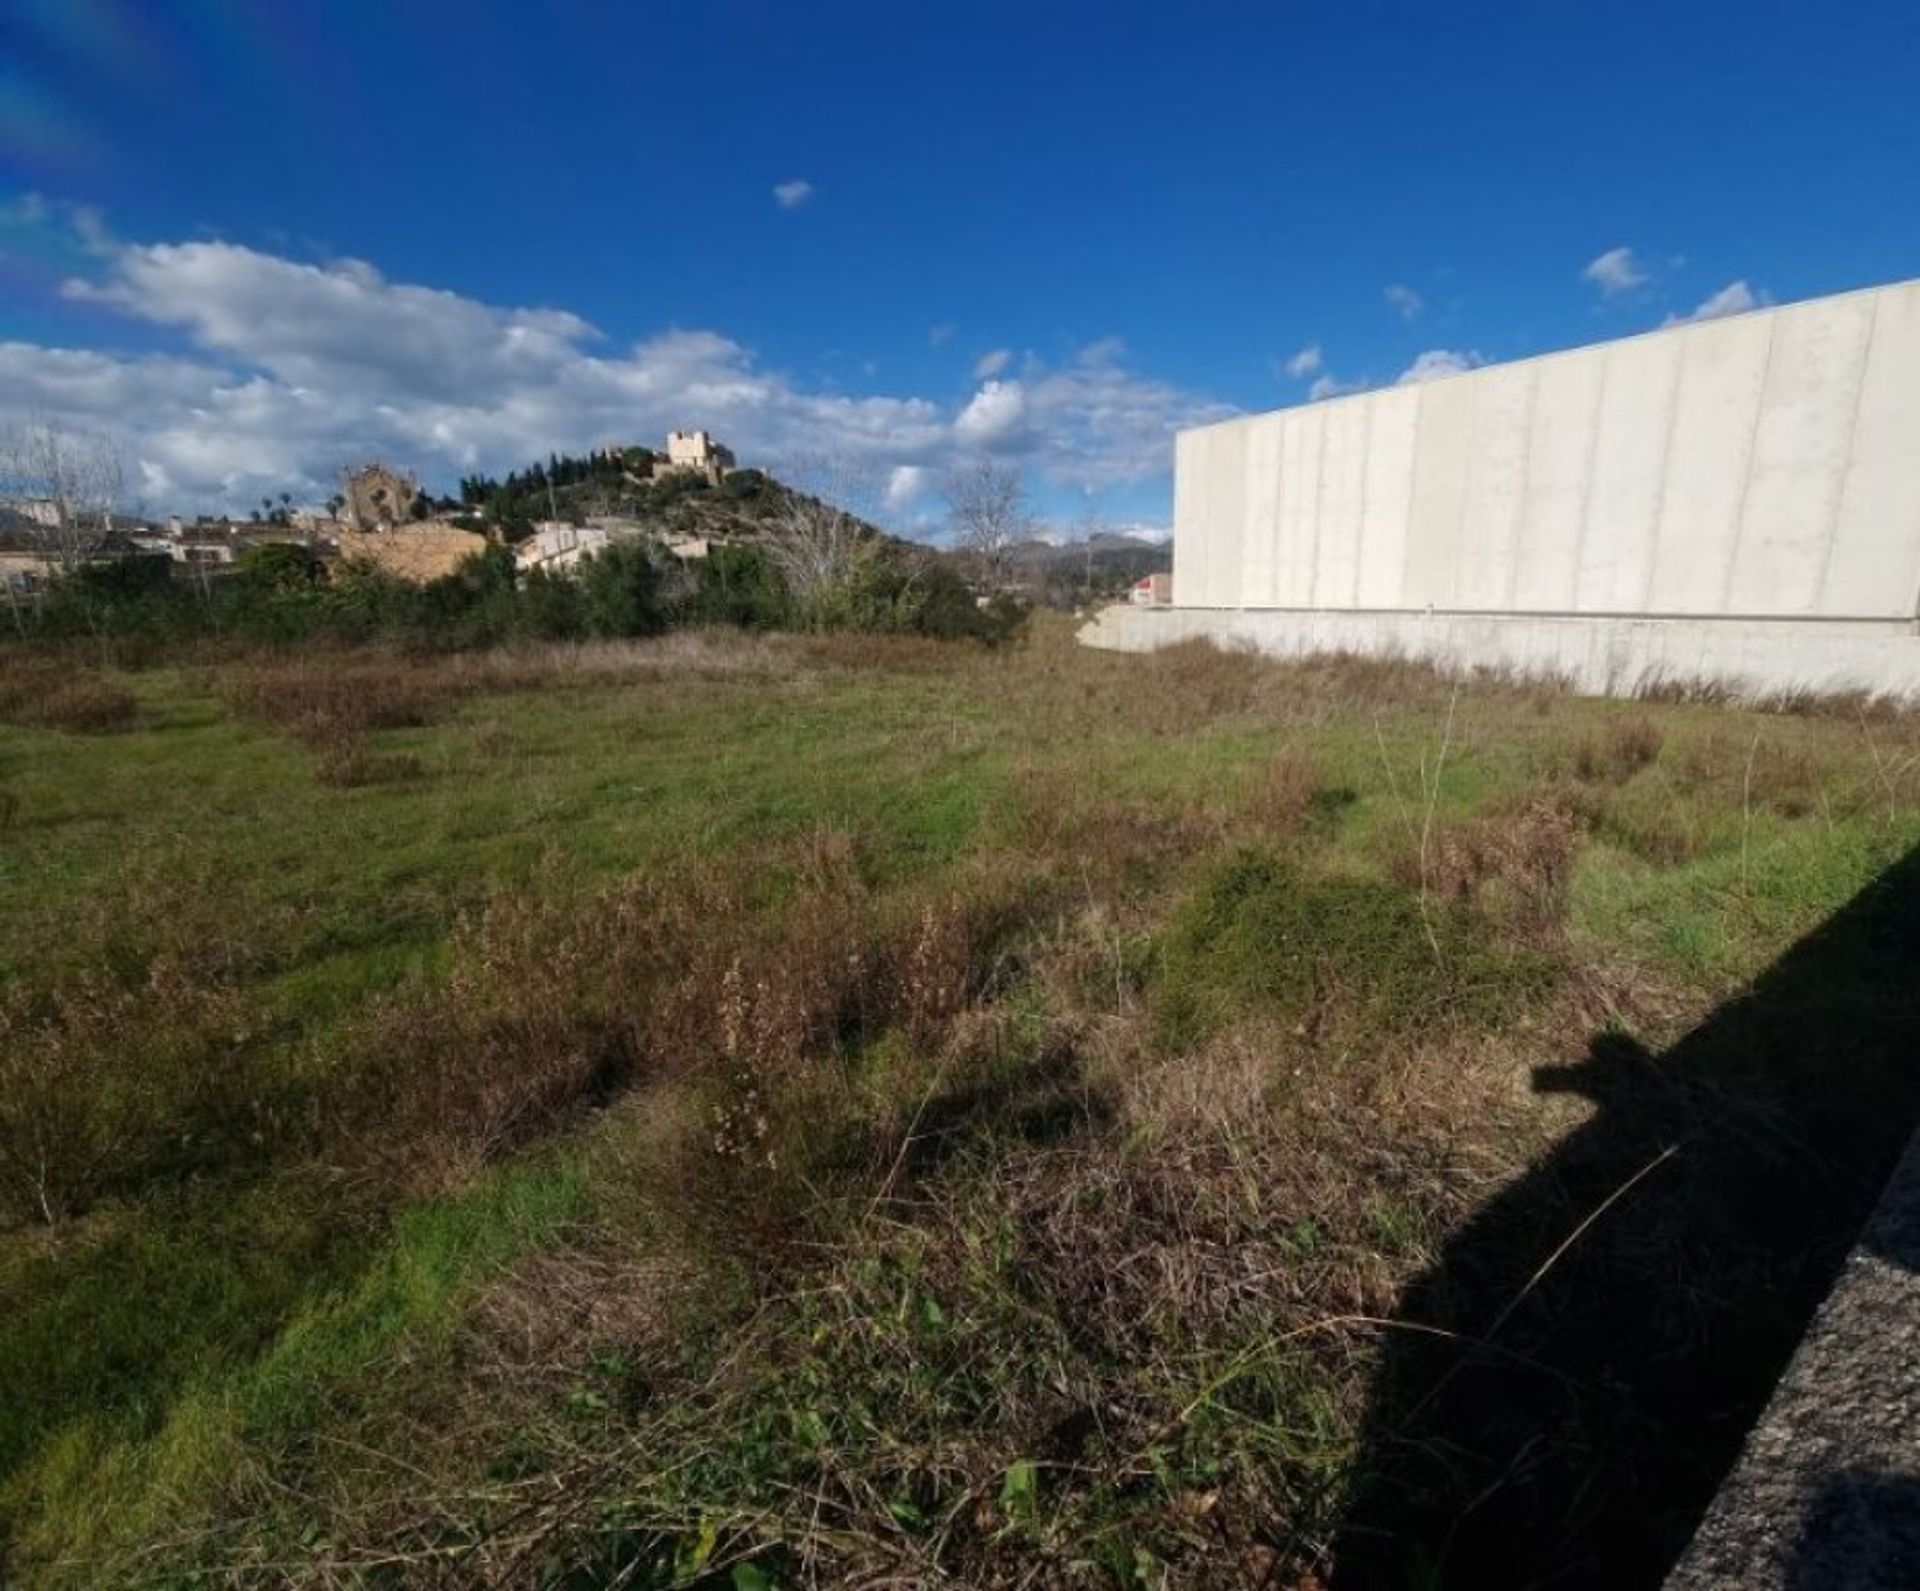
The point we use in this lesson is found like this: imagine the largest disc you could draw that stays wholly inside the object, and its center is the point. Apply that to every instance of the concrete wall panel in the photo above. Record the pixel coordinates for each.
(1800, 451)
(1299, 495)
(1191, 539)
(1442, 455)
(1343, 491)
(1763, 466)
(1260, 550)
(1723, 367)
(1486, 553)
(1873, 563)
(1230, 504)
(1639, 391)
(1393, 431)
(1566, 420)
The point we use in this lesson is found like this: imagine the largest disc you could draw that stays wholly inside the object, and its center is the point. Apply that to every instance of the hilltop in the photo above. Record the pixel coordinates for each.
(627, 488)
(606, 485)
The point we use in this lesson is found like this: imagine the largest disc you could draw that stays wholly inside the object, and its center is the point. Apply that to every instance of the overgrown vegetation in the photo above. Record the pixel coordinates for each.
(742, 1108)
(135, 609)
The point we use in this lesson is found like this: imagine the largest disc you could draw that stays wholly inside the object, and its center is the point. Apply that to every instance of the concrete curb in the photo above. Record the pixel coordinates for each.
(1827, 1490)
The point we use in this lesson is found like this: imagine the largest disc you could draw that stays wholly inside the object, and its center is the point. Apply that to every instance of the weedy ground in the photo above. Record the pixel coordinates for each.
(776, 1111)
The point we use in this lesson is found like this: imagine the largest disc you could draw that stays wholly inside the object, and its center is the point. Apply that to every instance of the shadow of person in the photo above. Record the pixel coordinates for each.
(1566, 1385)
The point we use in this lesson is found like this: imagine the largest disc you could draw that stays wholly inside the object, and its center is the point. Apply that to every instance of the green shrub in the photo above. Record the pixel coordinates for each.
(620, 591)
(1261, 935)
(739, 585)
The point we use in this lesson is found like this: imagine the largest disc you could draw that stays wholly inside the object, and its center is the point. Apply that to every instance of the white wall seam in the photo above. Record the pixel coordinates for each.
(1578, 570)
(1844, 475)
(1746, 466)
(1661, 475)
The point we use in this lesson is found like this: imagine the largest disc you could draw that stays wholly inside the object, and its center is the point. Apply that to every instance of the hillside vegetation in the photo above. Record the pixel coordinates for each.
(745, 1110)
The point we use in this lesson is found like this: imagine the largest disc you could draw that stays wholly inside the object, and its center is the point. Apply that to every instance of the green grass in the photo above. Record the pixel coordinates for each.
(245, 1294)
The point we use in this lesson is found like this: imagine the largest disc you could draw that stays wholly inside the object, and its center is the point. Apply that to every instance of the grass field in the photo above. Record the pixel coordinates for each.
(751, 1111)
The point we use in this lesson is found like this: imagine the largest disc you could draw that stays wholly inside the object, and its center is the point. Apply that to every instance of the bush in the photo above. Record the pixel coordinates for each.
(620, 591)
(281, 594)
(1262, 935)
(898, 597)
(46, 694)
(1621, 752)
(740, 586)
(278, 567)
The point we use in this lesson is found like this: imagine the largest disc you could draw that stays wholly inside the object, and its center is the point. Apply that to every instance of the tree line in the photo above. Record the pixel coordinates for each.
(281, 593)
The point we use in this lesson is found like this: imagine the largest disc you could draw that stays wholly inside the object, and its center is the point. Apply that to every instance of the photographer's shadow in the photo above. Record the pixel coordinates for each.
(1563, 1390)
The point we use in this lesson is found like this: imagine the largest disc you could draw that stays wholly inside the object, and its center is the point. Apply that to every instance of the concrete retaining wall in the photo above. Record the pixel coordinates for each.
(1827, 1492)
(1600, 656)
(1762, 466)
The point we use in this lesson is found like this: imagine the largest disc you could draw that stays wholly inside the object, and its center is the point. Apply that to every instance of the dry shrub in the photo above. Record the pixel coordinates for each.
(1765, 772)
(1290, 786)
(1790, 780)
(857, 651)
(532, 1330)
(330, 700)
(1134, 1309)
(348, 765)
(1059, 687)
(492, 739)
(1512, 866)
(1064, 820)
(45, 694)
(1853, 705)
(1797, 701)
(1130, 1308)
(1674, 691)
(135, 1055)
(1617, 754)
(1657, 836)
(683, 975)
(105, 1085)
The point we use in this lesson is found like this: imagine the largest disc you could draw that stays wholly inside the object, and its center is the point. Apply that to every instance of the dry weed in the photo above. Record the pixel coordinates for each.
(1616, 754)
(1289, 787)
(48, 694)
(1513, 866)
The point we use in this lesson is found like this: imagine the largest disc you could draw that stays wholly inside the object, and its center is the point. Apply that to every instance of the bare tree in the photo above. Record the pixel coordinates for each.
(66, 484)
(987, 503)
(819, 531)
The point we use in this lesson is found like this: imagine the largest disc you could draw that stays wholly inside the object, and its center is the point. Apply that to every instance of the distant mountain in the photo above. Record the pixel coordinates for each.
(1068, 573)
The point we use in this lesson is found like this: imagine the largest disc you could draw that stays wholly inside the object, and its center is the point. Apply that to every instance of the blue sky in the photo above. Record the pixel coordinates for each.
(261, 241)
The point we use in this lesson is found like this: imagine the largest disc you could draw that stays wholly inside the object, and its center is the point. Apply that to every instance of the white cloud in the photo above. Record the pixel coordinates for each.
(1141, 530)
(995, 417)
(80, 225)
(1328, 385)
(906, 485)
(991, 364)
(287, 371)
(1094, 423)
(28, 209)
(1615, 272)
(1406, 303)
(791, 195)
(1436, 364)
(939, 336)
(1305, 363)
(1736, 298)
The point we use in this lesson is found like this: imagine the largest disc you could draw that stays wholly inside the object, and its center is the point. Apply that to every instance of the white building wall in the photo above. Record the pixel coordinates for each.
(1762, 466)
